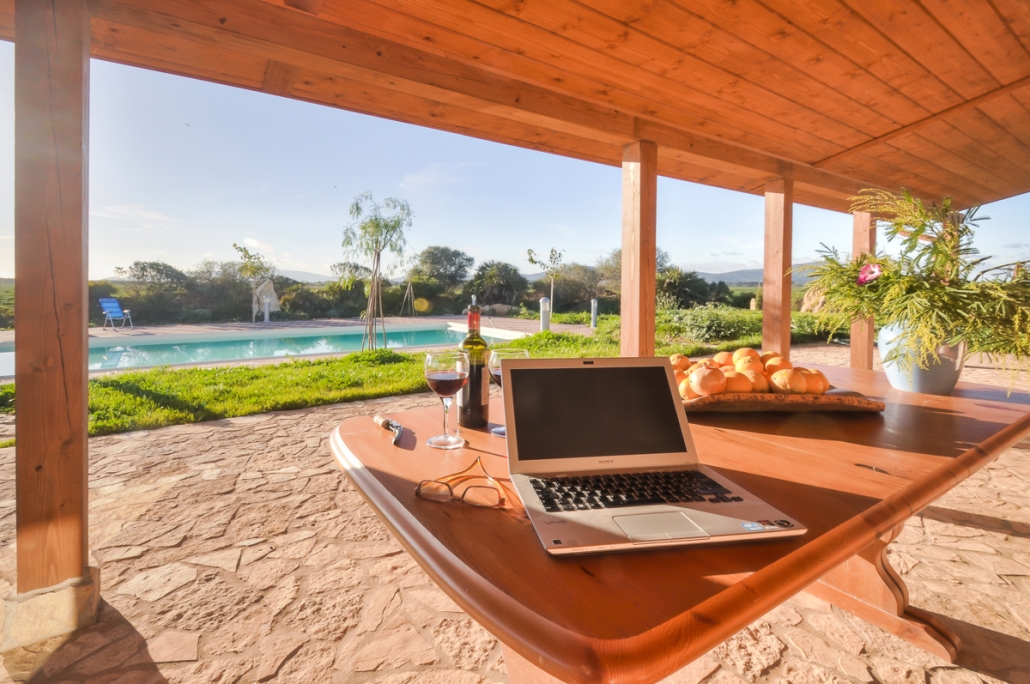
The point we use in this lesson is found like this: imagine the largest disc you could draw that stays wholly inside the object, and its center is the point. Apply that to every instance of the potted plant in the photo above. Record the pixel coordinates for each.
(937, 301)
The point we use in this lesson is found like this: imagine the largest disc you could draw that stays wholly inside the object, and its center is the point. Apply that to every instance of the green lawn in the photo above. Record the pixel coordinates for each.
(154, 398)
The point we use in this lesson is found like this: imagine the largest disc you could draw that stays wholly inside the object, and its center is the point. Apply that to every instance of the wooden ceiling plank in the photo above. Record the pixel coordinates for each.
(807, 195)
(976, 132)
(605, 36)
(985, 98)
(984, 34)
(673, 168)
(1016, 15)
(7, 20)
(713, 165)
(372, 64)
(828, 20)
(172, 54)
(961, 189)
(607, 124)
(712, 101)
(907, 24)
(309, 6)
(895, 178)
(376, 101)
(1011, 113)
(719, 33)
(524, 60)
(868, 105)
(367, 99)
(926, 148)
(278, 77)
(264, 22)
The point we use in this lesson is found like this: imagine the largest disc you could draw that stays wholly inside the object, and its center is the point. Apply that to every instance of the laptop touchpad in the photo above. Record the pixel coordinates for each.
(648, 527)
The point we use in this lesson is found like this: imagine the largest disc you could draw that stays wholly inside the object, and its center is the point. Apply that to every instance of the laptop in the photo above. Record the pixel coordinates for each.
(600, 453)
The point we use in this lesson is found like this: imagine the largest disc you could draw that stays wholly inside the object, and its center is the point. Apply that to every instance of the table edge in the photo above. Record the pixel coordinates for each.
(631, 660)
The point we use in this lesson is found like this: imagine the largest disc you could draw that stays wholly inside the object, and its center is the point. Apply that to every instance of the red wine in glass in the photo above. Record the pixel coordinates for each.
(446, 384)
(496, 375)
(446, 373)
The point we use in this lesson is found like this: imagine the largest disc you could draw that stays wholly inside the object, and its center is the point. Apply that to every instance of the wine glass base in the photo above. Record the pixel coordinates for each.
(499, 431)
(445, 442)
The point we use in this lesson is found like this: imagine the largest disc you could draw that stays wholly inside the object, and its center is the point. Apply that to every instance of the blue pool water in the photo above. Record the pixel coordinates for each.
(143, 355)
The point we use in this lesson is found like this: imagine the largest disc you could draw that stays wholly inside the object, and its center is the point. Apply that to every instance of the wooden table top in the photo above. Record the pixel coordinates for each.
(639, 616)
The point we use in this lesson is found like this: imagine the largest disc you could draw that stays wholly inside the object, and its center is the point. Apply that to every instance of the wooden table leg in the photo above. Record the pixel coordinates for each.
(867, 586)
(521, 671)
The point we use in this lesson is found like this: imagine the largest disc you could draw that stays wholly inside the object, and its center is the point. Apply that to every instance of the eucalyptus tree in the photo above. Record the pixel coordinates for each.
(552, 266)
(376, 229)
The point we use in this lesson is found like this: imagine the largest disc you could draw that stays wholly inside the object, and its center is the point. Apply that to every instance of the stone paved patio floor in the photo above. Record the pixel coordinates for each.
(234, 551)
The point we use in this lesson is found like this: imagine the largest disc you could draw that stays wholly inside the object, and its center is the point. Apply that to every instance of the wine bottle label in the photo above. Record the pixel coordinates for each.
(486, 387)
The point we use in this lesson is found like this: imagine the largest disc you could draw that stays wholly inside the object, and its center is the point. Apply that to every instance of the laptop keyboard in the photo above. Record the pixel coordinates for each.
(585, 492)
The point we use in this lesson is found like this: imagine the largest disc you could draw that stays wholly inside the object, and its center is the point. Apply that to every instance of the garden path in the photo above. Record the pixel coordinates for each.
(234, 551)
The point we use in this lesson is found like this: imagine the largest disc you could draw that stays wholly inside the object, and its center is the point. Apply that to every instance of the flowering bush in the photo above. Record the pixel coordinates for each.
(939, 290)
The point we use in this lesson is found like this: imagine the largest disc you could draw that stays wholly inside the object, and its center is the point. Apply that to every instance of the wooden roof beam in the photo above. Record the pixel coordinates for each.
(402, 68)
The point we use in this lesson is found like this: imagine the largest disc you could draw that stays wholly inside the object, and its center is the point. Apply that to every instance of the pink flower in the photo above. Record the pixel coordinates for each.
(869, 273)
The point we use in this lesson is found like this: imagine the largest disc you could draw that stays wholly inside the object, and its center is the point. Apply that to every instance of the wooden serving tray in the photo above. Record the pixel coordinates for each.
(833, 400)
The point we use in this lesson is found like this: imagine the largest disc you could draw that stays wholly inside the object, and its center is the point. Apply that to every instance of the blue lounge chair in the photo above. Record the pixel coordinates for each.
(113, 311)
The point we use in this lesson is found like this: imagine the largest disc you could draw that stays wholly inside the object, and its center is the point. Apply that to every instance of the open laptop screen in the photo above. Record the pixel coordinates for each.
(594, 411)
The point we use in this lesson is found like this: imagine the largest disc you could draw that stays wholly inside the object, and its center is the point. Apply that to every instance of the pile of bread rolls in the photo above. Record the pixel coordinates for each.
(745, 370)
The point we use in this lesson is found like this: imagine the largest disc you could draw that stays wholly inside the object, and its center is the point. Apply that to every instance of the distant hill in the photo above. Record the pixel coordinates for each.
(750, 276)
(306, 276)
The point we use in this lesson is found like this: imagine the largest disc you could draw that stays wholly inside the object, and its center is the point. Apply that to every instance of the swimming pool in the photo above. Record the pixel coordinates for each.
(143, 352)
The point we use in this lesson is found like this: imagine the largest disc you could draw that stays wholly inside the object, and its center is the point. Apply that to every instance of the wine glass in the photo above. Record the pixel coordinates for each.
(494, 366)
(446, 373)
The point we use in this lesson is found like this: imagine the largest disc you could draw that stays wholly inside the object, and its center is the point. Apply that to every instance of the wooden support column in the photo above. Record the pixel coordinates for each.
(639, 247)
(863, 242)
(776, 297)
(51, 105)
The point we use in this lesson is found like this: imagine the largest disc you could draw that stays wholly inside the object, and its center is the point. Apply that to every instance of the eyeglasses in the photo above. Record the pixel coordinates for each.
(474, 490)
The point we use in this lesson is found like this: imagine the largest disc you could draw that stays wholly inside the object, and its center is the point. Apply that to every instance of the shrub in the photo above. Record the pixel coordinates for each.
(7, 398)
(711, 323)
(100, 289)
(6, 317)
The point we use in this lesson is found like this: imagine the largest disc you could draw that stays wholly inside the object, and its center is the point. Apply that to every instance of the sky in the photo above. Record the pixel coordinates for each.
(181, 169)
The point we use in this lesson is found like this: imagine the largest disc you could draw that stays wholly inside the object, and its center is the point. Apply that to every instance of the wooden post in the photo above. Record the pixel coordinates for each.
(863, 242)
(51, 105)
(639, 247)
(776, 296)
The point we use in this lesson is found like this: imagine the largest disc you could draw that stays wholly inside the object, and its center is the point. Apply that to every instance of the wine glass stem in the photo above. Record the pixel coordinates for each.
(446, 409)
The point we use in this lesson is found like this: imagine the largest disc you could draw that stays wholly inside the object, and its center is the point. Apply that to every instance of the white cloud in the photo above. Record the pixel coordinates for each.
(430, 176)
(255, 244)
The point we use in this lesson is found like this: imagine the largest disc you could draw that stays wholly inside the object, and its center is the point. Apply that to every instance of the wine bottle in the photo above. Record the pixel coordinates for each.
(474, 398)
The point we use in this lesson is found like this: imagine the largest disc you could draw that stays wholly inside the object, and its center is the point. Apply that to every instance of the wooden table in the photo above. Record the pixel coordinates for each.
(852, 479)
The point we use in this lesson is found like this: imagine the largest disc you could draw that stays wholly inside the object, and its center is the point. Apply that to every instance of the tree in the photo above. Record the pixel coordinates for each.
(609, 269)
(373, 232)
(552, 267)
(146, 277)
(255, 269)
(349, 271)
(496, 282)
(448, 266)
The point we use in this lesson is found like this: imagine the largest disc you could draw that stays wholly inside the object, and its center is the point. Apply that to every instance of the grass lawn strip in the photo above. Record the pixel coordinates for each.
(148, 399)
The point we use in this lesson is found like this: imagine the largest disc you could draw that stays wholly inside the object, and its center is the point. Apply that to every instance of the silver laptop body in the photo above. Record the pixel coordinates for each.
(581, 429)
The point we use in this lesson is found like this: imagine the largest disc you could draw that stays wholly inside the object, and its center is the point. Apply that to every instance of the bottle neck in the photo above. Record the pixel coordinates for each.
(473, 321)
